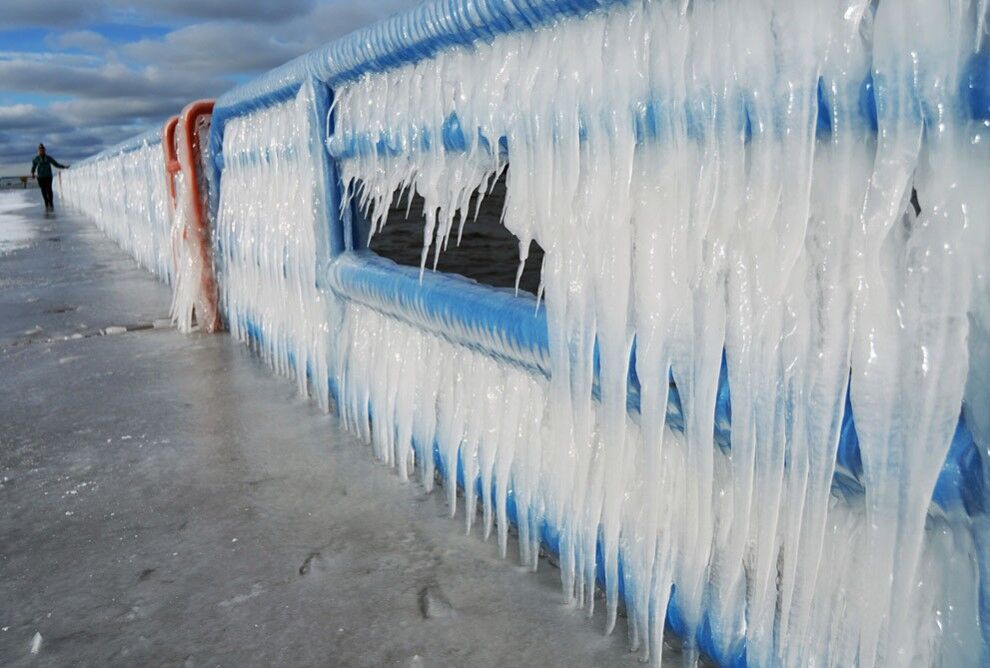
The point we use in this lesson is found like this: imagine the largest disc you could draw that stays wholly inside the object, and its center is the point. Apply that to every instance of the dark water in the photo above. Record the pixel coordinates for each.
(488, 253)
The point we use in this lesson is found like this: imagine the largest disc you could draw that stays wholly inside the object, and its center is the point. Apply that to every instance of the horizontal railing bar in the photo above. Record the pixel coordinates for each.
(498, 323)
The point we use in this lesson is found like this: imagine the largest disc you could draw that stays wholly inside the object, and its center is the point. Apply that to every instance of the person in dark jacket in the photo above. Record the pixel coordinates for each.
(42, 164)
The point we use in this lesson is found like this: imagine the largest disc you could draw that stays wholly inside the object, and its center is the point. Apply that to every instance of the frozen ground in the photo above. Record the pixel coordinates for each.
(165, 501)
(15, 231)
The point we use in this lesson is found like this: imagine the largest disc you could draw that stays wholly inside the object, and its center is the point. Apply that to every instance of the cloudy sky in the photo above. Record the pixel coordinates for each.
(80, 75)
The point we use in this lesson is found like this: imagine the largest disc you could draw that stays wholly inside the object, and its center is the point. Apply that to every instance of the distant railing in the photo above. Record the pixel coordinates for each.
(15, 182)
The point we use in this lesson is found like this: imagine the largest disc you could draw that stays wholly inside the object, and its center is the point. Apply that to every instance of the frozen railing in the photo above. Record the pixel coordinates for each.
(122, 189)
(781, 198)
(149, 194)
(271, 233)
(195, 291)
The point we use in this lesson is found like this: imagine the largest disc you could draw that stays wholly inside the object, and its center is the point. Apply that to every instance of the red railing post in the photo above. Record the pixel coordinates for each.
(171, 161)
(184, 154)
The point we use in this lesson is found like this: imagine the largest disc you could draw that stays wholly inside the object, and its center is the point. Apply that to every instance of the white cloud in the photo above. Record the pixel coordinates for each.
(245, 10)
(215, 48)
(114, 90)
(23, 126)
(51, 13)
(106, 80)
(84, 40)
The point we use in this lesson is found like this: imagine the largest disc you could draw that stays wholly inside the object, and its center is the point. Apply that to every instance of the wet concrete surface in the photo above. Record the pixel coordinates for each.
(164, 500)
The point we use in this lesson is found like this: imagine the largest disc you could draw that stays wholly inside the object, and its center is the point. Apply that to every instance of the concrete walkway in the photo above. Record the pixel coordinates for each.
(164, 500)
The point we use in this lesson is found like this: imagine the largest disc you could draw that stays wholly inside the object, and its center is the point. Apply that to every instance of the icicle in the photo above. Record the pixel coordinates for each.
(267, 230)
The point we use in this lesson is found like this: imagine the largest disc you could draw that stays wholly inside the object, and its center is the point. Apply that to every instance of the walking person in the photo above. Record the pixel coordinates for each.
(42, 164)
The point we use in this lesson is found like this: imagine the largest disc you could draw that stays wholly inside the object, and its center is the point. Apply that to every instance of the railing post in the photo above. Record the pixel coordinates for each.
(168, 148)
(196, 234)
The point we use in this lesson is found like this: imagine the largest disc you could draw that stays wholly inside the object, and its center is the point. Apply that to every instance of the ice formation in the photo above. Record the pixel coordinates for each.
(268, 232)
(780, 198)
(126, 191)
(195, 289)
(705, 177)
(127, 197)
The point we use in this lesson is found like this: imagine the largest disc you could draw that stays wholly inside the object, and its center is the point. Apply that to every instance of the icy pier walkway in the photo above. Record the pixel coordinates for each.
(165, 501)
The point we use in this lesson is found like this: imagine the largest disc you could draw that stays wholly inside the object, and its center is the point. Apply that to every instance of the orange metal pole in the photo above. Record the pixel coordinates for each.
(209, 319)
(171, 162)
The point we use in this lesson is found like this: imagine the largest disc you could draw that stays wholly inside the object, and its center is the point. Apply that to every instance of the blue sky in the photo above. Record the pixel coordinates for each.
(80, 75)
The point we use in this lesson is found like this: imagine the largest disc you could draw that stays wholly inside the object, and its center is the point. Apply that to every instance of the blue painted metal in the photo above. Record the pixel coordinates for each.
(488, 320)
(408, 37)
(333, 237)
(511, 328)
(218, 123)
(647, 118)
(975, 83)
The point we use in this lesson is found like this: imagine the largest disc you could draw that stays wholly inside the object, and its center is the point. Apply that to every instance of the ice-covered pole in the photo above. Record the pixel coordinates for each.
(195, 291)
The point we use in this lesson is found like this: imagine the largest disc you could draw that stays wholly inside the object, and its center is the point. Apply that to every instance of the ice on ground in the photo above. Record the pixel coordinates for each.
(15, 231)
